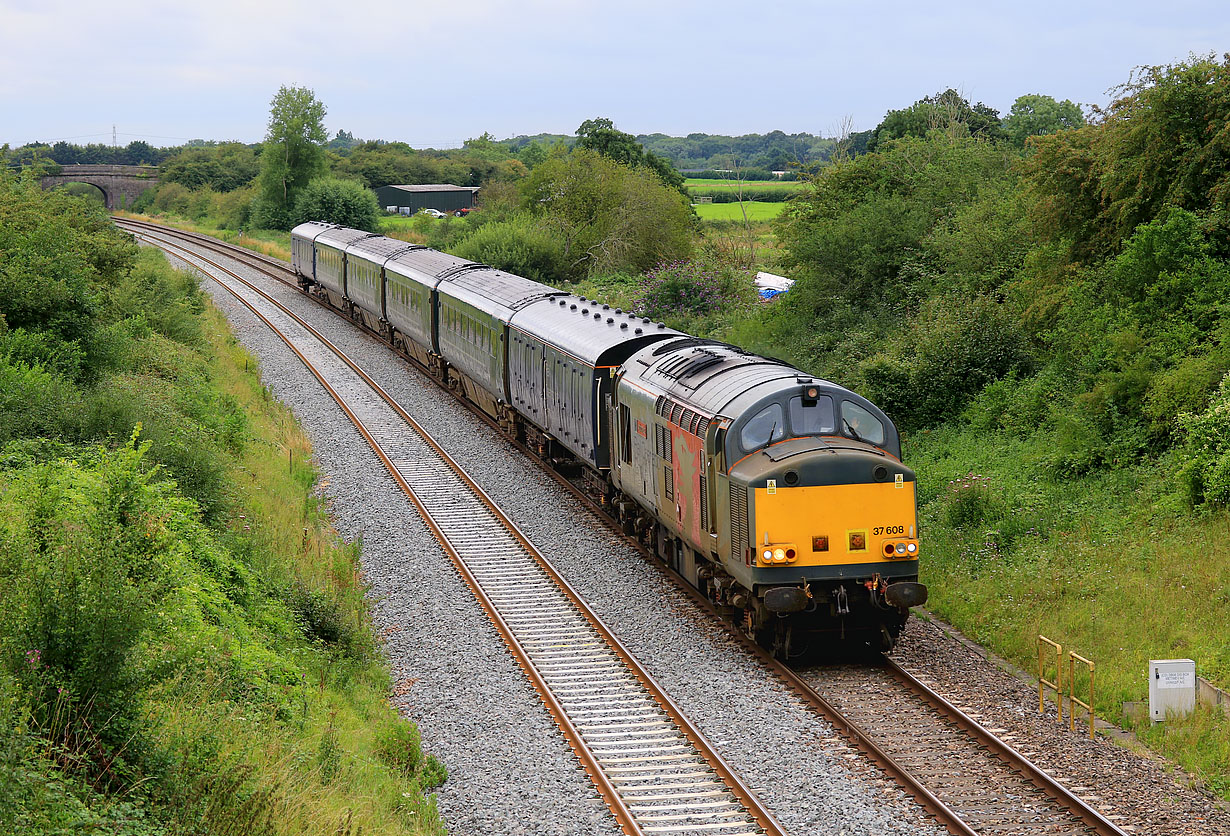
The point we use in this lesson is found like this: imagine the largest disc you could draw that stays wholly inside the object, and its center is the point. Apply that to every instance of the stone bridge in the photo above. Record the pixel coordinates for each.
(120, 184)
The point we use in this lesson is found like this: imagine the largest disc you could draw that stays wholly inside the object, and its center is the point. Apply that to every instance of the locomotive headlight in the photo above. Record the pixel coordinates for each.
(912, 548)
(768, 555)
(779, 555)
(901, 548)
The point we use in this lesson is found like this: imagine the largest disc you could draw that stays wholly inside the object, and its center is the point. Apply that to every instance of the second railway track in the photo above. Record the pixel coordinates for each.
(965, 777)
(656, 771)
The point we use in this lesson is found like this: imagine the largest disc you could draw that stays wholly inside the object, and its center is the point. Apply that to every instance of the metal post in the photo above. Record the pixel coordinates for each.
(1043, 682)
(1073, 658)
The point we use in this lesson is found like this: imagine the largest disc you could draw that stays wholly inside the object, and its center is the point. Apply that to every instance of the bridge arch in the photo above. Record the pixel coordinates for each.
(121, 185)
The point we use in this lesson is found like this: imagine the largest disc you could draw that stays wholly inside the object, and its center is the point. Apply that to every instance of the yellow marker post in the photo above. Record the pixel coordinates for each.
(1043, 682)
(1073, 658)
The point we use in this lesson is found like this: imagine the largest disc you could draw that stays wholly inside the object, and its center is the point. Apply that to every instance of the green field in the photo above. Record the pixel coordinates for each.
(756, 212)
(748, 185)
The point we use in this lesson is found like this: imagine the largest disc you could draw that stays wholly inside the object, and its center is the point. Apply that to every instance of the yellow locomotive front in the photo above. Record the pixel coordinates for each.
(824, 518)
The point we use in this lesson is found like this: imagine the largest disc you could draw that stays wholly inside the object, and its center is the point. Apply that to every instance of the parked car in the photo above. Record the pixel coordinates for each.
(435, 213)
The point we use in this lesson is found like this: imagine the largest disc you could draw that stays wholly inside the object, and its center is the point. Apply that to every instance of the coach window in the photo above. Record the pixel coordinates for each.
(763, 428)
(811, 417)
(861, 424)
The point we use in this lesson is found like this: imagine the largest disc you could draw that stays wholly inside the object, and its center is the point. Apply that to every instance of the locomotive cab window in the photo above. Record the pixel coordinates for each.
(763, 428)
(811, 417)
(860, 424)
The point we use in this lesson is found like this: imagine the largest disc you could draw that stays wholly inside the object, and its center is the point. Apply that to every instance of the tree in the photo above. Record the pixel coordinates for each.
(532, 154)
(1163, 142)
(602, 136)
(607, 216)
(292, 156)
(1037, 115)
(949, 112)
(223, 168)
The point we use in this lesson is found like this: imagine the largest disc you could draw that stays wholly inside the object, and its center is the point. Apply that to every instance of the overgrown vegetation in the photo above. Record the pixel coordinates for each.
(1039, 301)
(185, 646)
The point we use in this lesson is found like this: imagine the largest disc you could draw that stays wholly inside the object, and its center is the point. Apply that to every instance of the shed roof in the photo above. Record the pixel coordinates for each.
(434, 187)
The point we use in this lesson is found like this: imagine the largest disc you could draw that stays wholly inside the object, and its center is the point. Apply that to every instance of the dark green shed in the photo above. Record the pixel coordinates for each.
(408, 200)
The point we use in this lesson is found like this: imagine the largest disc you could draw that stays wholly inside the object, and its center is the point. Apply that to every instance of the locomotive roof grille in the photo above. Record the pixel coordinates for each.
(681, 416)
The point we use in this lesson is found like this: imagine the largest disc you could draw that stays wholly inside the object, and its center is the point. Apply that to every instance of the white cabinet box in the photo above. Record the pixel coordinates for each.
(1172, 687)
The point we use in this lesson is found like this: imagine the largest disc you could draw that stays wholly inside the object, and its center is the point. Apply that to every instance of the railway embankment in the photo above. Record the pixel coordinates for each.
(186, 643)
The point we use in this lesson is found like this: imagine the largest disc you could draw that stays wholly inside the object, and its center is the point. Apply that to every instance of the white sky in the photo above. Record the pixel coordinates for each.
(435, 73)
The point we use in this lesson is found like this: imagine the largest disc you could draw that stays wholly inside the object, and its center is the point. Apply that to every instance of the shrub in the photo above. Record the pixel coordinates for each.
(950, 350)
(399, 745)
(79, 582)
(33, 401)
(1205, 475)
(971, 501)
(681, 288)
(517, 245)
(337, 201)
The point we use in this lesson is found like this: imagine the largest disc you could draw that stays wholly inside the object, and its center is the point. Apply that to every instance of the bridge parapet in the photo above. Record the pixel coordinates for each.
(120, 184)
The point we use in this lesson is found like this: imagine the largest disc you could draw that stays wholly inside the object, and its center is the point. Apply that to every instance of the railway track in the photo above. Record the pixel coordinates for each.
(968, 779)
(654, 769)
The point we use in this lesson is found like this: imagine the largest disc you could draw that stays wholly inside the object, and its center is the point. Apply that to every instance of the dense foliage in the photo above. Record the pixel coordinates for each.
(337, 201)
(607, 216)
(180, 652)
(774, 151)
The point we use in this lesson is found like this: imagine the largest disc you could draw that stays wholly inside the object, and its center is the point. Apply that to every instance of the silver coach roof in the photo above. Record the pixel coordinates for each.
(379, 249)
(584, 328)
(341, 236)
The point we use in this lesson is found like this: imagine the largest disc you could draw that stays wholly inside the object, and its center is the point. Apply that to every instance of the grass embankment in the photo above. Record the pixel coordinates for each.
(271, 242)
(185, 645)
(1097, 563)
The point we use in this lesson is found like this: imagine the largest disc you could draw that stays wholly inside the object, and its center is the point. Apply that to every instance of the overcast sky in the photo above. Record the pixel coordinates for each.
(436, 73)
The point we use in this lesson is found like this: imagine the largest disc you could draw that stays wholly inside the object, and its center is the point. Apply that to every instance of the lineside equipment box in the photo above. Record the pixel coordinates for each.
(1172, 688)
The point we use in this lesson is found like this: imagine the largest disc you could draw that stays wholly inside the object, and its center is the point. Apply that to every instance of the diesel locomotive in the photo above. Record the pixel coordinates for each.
(780, 496)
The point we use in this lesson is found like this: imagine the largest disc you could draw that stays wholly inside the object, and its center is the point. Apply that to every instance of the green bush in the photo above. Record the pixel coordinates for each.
(948, 352)
(1205, 474)
(517, 245)
(399, 745)
(33, 401)
(339, 202)
(80, 580)
(681, 289)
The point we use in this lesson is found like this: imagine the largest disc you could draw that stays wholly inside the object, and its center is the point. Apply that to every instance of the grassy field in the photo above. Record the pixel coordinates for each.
(756, 212)
(748, 185)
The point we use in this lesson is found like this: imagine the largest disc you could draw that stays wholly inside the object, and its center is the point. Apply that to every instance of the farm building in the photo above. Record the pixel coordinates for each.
(441, 196)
